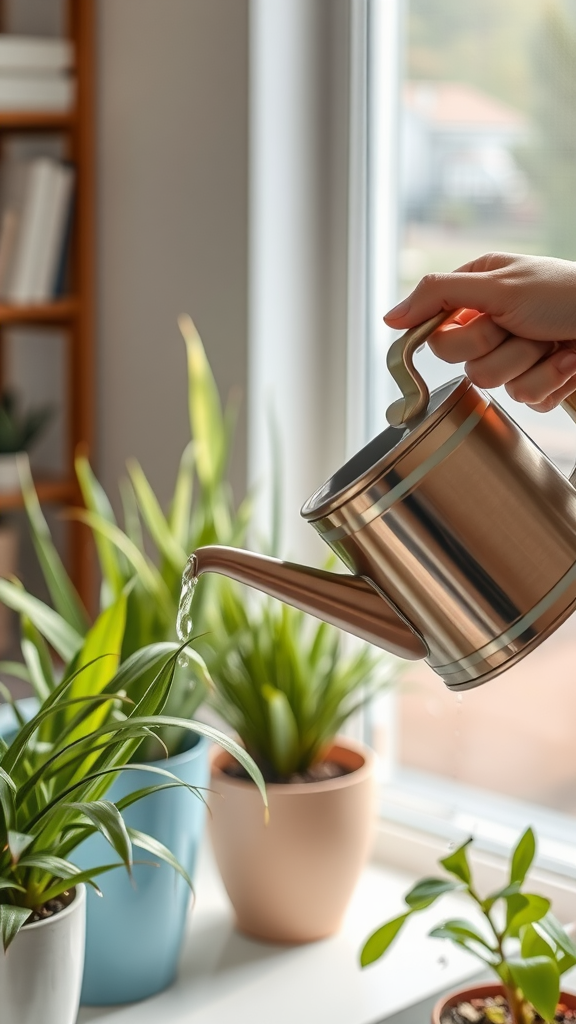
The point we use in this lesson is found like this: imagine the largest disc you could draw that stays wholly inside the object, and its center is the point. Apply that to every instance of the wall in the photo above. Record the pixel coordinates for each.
(172, 214)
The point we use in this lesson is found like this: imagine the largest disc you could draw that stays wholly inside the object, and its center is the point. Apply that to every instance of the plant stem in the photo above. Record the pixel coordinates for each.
(516, 1004)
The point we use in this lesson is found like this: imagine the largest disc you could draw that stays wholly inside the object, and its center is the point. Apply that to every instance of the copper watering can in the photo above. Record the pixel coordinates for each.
(459, 532)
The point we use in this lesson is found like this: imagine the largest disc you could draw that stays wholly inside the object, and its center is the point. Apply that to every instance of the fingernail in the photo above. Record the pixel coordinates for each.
(400, 310)
(566, 362)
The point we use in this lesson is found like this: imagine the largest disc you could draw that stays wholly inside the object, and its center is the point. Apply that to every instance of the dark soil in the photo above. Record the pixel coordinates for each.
(52, 907)
(494, 1010)
(321, 772)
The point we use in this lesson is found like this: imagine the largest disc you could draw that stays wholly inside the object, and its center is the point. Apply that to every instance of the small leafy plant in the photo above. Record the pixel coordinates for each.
(283, 681)
(18, 430)
(55, 770)
(519, 938)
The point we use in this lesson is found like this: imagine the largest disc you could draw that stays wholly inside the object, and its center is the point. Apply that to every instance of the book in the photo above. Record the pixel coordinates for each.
(31, 53)
(42, 92)
(41, 231)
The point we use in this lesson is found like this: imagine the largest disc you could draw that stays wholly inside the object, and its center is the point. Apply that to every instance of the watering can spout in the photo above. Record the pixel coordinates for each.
(346, 601)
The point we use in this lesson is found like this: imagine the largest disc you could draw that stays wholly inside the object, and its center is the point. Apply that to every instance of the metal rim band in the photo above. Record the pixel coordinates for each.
(406, 485)
(515, 631)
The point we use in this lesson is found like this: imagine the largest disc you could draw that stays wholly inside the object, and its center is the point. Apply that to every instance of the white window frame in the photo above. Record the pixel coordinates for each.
(315, 321)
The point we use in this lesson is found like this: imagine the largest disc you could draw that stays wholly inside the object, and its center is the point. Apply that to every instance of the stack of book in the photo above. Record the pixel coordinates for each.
(35, 231)
(35, 74)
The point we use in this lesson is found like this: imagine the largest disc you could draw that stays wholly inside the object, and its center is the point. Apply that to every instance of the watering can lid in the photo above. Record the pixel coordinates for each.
(382, 452)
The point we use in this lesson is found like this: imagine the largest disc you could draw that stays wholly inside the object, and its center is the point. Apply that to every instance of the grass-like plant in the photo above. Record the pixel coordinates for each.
(518, 937)
(283, 681)
(56, 768)
(148, 572)
(19, 430)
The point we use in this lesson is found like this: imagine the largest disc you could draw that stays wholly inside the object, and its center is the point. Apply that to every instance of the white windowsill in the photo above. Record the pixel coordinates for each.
(225, 977)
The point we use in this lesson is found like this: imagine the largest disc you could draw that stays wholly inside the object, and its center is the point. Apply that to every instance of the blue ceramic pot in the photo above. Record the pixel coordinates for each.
(134, 934)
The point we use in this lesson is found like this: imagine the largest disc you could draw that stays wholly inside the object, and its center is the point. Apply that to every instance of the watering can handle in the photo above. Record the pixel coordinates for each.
(414, 389)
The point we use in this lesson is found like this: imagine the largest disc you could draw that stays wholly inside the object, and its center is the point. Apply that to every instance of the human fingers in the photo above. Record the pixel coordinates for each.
(537, 384)
(435, 292)
(553, 400)
(506, 362)
(466, 337)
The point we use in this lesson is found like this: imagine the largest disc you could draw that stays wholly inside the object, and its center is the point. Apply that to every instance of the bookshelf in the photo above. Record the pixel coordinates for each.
(73, 314)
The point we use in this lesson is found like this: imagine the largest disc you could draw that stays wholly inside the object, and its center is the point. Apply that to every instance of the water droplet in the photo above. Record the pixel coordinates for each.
(184, 623)
(452, 846)
(442, 962)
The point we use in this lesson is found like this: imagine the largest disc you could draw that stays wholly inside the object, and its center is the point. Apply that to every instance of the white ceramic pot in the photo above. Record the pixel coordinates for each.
(9, 477)
(41, 974)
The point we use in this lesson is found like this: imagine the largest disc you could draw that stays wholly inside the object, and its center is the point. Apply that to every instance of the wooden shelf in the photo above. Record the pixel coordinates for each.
(49, 490)
(36, 120)
(57, 312)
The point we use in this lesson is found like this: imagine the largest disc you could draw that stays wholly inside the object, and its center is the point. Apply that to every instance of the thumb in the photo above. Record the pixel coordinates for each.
(437, 292)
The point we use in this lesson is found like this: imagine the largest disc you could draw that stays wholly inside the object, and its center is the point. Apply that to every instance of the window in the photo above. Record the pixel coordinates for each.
(473, 142)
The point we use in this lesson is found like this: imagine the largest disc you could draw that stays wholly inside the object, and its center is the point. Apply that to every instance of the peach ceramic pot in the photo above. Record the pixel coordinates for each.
(479, 992)
(290, 880)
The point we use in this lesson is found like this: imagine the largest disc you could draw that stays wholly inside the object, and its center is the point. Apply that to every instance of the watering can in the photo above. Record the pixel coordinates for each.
(459, 533)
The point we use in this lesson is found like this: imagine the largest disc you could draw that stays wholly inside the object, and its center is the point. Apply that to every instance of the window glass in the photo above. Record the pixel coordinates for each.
(487, 161)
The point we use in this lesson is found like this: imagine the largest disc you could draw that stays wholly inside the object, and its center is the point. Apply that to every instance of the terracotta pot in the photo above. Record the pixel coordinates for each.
(478, 992)
(290, 880)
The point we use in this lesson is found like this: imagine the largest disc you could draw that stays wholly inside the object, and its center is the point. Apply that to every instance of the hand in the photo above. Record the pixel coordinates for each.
(515, 325)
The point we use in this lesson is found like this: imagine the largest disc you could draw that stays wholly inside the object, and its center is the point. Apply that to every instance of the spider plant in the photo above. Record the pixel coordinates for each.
(283, 681)
(201, 512)
(55, 770)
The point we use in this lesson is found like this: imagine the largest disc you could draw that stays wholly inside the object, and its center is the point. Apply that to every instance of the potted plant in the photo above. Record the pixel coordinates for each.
(284, 683)
(55, 769)
(18, 431)
(513, 932)
(134, 936)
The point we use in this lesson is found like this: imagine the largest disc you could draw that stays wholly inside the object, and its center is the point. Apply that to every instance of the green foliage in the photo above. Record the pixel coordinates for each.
(283, 681)
(520, 940)
(18, 430)
(148, 570)
(56, 768)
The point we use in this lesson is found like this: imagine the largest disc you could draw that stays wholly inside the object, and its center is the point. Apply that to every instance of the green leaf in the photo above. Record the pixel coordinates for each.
(180, 509)
(508, 890)
(206, 419)
(533, 943)
(457, 863)
(96, 500)
(539, 979)
(146, 570)
(93, 673)
(524, 908)
(11, 883)
(7, 790)
(283, 730)
(522, 857)
(37, 658)
(62, 591)
(18, 842)
(463, 933)
(109, 822)
(157, 849)
(65, 640)
(11, 921)
(154, 518)
(381, 939)
(428, 891)
(76, 878)
(552, 927)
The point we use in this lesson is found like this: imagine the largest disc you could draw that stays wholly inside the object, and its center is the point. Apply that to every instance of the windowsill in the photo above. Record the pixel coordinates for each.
(225, 977)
